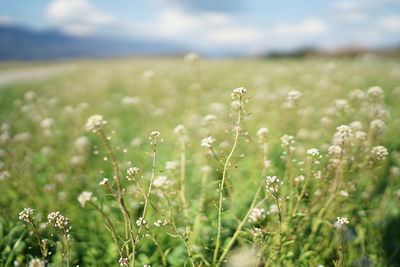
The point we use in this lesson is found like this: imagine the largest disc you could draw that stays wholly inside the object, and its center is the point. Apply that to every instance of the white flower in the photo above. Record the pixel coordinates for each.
(58, 220)
(344, 132)
(155, 134)
(141, 221)
(130, 100)
(124, 262)
(131, 172)
(238, 92)
(287, 140)
(84, 197)
(160, 223)
(293, 95)
(210, 118)
(191, 57)
(206, 142)
(375, 93)
(272, 184)
(256, 215)
(94, 123)
(103, 182)
(256, 231)
(171, 165)
(26, 214)
(180, 130)
(47, 123)
(344, 193)
(161, 181)
(379, 152)
(340, 221)
(299, 178)
(313, 152)
(262, 133)
(36, 263)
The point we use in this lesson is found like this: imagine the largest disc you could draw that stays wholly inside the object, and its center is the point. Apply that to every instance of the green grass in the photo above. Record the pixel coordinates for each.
(43, 174)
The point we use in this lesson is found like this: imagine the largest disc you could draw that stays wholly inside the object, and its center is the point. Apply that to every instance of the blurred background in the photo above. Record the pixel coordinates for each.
(52, 29)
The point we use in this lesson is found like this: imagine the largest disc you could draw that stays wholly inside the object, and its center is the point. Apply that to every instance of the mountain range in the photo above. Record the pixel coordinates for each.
(21, 43)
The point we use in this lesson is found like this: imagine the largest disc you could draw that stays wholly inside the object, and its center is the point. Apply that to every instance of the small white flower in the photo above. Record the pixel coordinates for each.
(124, 262)
(256, 215)
(131, 172)
(141, 221)
(161, 181)
(155, 134)
(94, 123)
(36, 263)
(299, 178)
(340, 222)
(379, 152)
(84, 197)
(313, 152)
(238, 92)
(262, 133)
(26, 214)
(171, 165)
(103, 182)
(287, 140)
(206, 142)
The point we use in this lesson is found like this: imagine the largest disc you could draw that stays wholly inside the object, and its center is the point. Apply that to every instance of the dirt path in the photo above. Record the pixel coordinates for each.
(24, 74)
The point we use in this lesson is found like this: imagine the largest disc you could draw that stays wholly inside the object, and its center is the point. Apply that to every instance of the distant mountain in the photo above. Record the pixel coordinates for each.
(19, 43)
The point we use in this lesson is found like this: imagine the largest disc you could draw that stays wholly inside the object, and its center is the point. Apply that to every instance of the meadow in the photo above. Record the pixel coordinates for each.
(202, 162)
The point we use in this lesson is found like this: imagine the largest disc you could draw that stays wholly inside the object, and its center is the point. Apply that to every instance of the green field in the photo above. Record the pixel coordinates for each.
(210, 201)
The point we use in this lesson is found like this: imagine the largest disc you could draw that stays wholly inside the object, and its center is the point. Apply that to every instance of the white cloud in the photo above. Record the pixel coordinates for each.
(390, 23)
(78, 17)
(307, 27)
(5, 20)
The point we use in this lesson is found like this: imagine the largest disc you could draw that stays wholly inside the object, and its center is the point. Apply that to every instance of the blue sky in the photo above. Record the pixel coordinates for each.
(240, 26)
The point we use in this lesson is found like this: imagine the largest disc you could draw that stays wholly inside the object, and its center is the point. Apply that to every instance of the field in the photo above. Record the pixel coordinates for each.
(181, 166)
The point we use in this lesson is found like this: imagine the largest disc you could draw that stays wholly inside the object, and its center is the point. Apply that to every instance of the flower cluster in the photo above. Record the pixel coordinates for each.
(272, 184)
(238, 93)
(262, 133)
(26, 214)
(379, 152)
(123, 262)
(58, 221)
(287, 140)
(160, 223)
(84, 197)
(161, 181)
(340, 222)
(94, 123)
(141, 221)
(256, 215)
(207, 142)
(103, 182)
(131, 172)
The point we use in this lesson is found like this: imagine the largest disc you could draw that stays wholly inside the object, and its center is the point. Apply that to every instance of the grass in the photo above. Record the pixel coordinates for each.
(213, 204)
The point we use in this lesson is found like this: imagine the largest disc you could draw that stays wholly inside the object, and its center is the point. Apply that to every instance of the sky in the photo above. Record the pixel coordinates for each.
(246, 27)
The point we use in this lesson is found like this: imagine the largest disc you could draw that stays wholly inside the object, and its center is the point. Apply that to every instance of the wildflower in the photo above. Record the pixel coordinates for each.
(344, 131)
(130, 100)
(206, 142)
(313, 152)
(378, 125)
(148, 75)
(379, 152)
(161, 181)
(131, 172)
(26, 214)
(272, 184)
(94, 123)
(340, 221)
(123, 262)
(341, 105)
(287, 140)
(160, 223)
(356, 126)
(85, 197)
(256, 231)
(334, 151)
(155, 134)
(171, 165)
(82, 143)
(238, 93)
(4, 175)
(180, 130)
(262, 133)
(256, 215)
(141, 221)
(299, 178)
(47, 123)
(36, 263)
(58, 220)
(293, 95)
(103, 182)
(210, 118)
(375, 93)
(191, 57)
(357, 94)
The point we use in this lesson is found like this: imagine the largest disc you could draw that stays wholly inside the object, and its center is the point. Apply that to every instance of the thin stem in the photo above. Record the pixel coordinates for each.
(221, 189)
